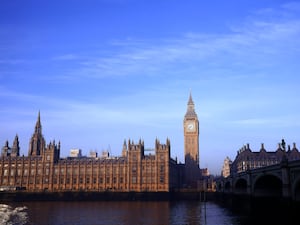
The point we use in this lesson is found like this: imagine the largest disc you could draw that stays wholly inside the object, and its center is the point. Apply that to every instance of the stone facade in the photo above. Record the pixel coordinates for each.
(43, 169)
(226, 167)
(191, 144)
(247, 159)
(134, 170)
(13, 151)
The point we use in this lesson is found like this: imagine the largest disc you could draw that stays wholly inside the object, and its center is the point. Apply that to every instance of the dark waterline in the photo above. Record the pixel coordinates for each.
(147, 213)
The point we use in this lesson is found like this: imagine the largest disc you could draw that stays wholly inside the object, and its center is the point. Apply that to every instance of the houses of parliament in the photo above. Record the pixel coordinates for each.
(44, 170)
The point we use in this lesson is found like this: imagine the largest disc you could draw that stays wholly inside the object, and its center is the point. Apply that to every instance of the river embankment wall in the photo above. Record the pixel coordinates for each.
(106, 196)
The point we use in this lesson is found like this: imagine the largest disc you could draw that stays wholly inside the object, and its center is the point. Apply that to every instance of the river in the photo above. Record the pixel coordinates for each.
(123, 213)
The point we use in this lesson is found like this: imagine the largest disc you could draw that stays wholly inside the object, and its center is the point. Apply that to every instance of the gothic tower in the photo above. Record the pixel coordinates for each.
(15, 150)
(37, 142)
(191, 143)
(5, 149)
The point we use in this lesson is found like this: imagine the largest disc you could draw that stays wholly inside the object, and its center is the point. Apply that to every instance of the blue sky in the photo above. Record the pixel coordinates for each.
(108, 70)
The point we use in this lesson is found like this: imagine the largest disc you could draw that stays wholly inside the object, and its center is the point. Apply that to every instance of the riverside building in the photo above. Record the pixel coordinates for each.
(246, 159)
(134, 170)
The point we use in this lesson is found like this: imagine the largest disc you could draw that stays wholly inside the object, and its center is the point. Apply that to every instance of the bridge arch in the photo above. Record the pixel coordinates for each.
(267, 185)
(240, 186)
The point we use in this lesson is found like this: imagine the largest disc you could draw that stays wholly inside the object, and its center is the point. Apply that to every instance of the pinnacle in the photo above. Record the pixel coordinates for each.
(190, 102)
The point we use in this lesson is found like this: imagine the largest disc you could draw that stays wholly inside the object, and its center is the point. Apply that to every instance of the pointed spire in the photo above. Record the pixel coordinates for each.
(15, 150)
(6, 143)
(168, 141)
(262, 149)
(39, 118)
(16, 141)
(191, 108)
(190, 102)
(38, 125)
(124, 145)
(294, 147)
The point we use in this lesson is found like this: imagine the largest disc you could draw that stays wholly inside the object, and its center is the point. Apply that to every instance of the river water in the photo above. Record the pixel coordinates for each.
(112, 212)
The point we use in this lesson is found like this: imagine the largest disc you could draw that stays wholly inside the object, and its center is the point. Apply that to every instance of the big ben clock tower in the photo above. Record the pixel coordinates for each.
(191, 143)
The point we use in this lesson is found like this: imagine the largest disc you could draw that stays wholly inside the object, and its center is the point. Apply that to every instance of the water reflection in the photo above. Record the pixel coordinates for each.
(147, 213)
(99, 212)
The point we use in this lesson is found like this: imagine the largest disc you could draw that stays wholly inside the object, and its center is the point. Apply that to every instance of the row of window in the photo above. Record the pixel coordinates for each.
(33, 172)
(81, 170)
(87, 180)
(74, 171)
(242, 166)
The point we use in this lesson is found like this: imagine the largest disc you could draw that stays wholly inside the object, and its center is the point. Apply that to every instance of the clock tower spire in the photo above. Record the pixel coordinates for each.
(191, 143)
(191, 108)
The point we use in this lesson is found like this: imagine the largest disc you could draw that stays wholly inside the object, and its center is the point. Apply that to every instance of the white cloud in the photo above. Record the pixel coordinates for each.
(258, 41)
(292, 6)
(231, 75)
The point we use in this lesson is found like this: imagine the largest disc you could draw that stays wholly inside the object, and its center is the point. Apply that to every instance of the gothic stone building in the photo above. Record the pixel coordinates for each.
(191, 144)
(43, 169)
(247, 159)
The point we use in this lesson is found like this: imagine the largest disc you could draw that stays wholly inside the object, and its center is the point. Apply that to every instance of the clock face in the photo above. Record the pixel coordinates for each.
(191, 126)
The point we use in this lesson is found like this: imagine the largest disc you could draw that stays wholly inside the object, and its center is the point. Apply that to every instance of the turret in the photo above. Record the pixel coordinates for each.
(15, 150)
(52, 152)
(136, 151)
(262, 149)
(124, 150)
(279, 147)
(162, 150)
(294, 147)
(5, 149)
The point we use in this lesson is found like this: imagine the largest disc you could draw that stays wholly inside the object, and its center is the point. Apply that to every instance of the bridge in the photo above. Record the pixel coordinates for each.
(279, 181)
